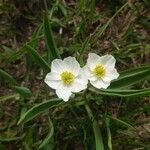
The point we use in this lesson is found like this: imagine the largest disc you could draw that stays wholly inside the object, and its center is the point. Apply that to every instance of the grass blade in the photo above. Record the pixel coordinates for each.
(98, 136)
(7, 77)
(35, 36)
(131, 77)
(49, 136)
(37, 109)
(9, 97)
(97, 132)
(123, 93)
(120, 121)
(100, 30)
(107, 122)
(37, 58)
(10, 139)
(23, 91)
(51, 45)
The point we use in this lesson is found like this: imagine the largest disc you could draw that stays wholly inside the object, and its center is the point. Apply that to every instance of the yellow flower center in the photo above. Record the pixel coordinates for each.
(67, 77)
(99, 71)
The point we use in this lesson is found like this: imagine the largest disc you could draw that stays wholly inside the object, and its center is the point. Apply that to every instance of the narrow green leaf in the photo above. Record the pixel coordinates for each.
(107, 122)
(100, 30)
(51, 45)
(37, 109)
(29, 138)
(131, 77)
(123, 93)
(37, 58)
(9, 139)
(49, 136)
(7, 49)
(23, 91)
(63, 9)
(98, 136)
(9, 97)
(120, 121)
(134, 70)
(35, 36)
(15, 55)
(7, 77)
(85, 46)
(97, 132)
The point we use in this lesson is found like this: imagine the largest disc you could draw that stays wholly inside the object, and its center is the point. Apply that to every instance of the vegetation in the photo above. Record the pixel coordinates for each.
(33, 33)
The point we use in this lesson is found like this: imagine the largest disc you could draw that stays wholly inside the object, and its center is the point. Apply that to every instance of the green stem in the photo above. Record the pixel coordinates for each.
(45, 5)
(97, 132)
(89, 112)
(4, 98)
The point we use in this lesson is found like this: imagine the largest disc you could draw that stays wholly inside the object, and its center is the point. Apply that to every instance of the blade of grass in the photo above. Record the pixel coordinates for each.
(9, 97)
(20, 52)
(107, 122)
(10, 139)
(7, 77)
(37, 58)
(35, 36)
(49, 136)
(97, 132)
(100, 30)
(23, 91)
(121, 122)
(37, 109)
(52, 52)
(131, 77)
(85, 45)
(122, 93)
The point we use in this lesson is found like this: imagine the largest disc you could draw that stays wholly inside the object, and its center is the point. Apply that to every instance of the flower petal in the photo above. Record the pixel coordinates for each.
(80, 83)
(108, 61)
(57, 66)
(92, 60)
(52, 76)
(72, 64)
(111, 74)
(100, 84)
(88, 73)
(52, 83)
(63, 92)
(77, 87)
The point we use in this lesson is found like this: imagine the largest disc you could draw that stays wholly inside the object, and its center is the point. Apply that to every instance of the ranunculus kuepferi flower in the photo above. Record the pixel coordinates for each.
(66, 77)
(100, 70)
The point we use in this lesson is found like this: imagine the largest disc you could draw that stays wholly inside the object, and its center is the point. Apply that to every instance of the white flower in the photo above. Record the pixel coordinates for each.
(100, 70)
(66, 77)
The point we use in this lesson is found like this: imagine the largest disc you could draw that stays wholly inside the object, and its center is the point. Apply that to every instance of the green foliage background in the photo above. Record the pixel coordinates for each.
(35, 32)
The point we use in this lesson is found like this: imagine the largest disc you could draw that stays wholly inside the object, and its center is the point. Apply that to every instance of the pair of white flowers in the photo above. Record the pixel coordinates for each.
(67, 77)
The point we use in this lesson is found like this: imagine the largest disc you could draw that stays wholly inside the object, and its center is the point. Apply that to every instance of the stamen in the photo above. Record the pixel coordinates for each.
(67, 77)
(99, 71)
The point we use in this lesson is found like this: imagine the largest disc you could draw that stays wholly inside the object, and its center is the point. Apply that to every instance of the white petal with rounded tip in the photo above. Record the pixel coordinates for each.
(100, 84)
(52, 76)
(111, 74)
(77, 86)
(57, 65)
(53, 83)
(72, 65)
(80, 83)
(63, 92)
(88, 73)
(93, 78)
(108, 61)
(82, 77)
(92, 60)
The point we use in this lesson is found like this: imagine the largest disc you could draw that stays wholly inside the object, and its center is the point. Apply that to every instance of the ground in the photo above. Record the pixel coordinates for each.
(125, 35)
